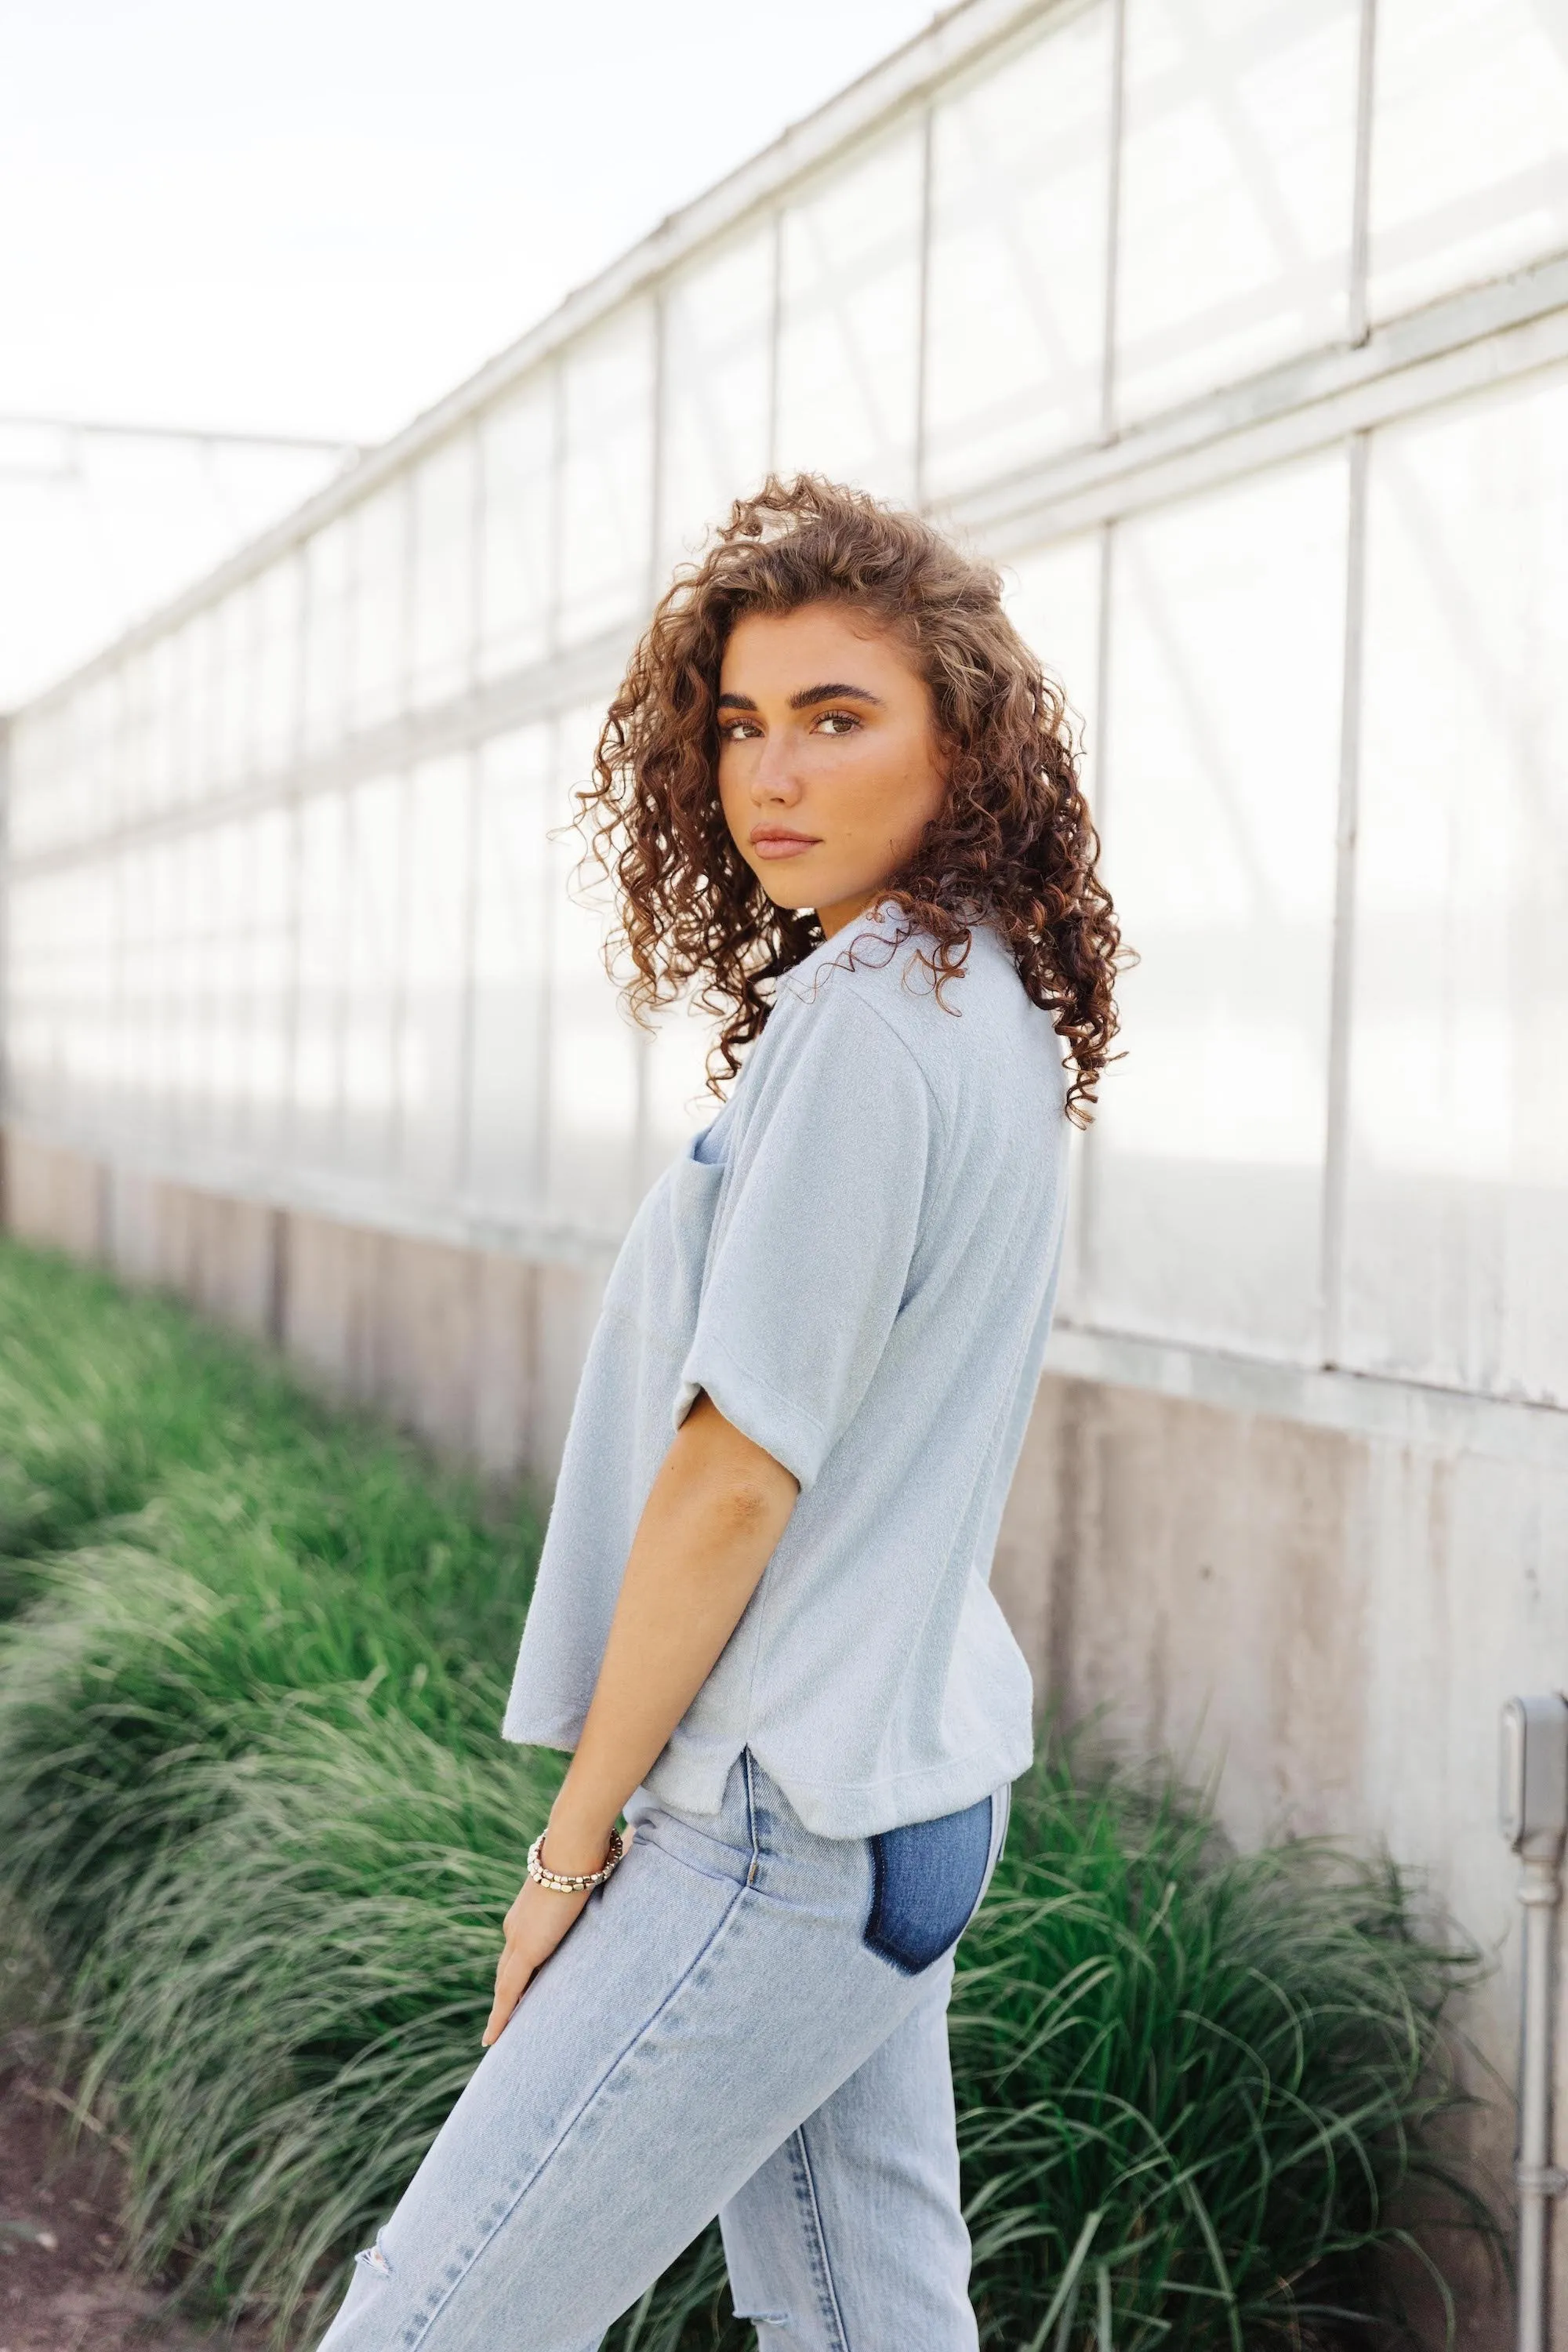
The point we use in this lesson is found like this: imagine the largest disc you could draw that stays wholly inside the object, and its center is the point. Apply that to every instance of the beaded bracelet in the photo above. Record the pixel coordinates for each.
(580, 1882)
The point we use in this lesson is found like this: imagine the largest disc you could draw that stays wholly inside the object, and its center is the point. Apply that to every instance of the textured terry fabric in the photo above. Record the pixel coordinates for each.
(857, 1263)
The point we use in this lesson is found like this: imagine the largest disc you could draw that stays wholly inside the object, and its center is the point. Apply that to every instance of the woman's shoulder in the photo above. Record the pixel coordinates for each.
(880, 971)
(872, 993)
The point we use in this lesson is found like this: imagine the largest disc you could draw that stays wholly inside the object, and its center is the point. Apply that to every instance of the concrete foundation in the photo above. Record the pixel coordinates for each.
(1321, 1625)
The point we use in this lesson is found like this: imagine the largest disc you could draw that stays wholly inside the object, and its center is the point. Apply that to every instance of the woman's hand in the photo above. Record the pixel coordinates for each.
(534, 1926)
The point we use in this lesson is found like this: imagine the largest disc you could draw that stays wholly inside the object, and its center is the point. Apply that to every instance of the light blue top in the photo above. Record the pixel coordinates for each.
(857, 1261)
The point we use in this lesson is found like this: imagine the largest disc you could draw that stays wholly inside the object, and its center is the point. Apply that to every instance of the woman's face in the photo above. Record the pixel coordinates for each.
(829, 768)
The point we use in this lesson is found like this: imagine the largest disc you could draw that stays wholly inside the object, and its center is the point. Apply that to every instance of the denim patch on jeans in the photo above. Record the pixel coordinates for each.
(926, 1879)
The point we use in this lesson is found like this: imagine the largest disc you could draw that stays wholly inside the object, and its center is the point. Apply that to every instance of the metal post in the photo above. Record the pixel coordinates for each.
(1534, 1822)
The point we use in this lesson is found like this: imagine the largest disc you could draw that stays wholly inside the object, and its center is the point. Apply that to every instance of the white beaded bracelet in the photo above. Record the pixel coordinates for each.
(580, 1882)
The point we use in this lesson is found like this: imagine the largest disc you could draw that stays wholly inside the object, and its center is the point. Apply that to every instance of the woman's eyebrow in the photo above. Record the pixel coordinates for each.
(833, 693)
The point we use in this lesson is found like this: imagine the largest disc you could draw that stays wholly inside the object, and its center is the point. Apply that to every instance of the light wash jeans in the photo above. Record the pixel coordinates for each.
(749, 2021)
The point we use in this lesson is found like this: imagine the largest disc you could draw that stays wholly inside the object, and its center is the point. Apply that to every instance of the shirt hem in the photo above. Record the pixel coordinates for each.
(845, 1809)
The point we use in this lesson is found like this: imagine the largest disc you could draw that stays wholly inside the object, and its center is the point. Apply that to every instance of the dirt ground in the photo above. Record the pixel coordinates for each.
(62, 2286)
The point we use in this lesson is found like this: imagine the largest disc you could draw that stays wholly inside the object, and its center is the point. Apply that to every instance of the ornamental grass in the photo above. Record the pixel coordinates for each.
(253, 1806)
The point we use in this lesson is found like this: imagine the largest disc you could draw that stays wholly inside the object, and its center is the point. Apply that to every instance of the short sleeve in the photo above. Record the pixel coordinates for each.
(815, 1239)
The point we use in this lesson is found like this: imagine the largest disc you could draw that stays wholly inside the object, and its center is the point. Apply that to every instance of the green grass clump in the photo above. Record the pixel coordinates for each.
(252, 1799)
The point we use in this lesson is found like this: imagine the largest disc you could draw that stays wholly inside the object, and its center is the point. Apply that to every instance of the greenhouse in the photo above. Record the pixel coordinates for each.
(1237, 331)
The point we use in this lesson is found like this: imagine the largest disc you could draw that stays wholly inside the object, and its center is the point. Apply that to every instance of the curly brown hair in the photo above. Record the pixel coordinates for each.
(1014, 845)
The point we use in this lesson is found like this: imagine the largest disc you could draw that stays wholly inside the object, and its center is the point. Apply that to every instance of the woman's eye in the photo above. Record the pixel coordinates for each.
(735, 730)
(837, 722)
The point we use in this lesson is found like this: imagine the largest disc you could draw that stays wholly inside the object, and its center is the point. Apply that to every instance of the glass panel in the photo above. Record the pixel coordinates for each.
(317, 1079)
(276, 653)
(153, 912)
(377, 615)
(375, 898)
(1055, 603)
(1470, 155)
(591, 1117)
(233, 687)
(222, 924)
(443, 614)
(676, 1077)
(517, 455)
(328, 588)
(162, 720)
(189, 992)
(1221, 752)
(132, 759)
(849, 323)
(135, 992)
(718, 368)
(1020, 170)
(265, 1015)
(200, 714)
(30, 814)
(32, 921)
(512, 881)
(432, 1041)
(1457, 1244)
(1237, 181)
(606, 483)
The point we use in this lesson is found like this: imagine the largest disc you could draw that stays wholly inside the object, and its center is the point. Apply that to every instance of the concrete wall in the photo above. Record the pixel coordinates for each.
(1325, 1624)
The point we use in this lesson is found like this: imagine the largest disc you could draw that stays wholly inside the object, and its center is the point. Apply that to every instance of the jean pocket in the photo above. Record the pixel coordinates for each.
(926, 1880)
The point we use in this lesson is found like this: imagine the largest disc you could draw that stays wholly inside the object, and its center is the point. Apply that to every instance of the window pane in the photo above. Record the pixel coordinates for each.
(266, 1012)
(443, 489)
(1456, 1247)
(33, 813)
(162, 719)
(233, 689)
(1019, 207)
(223, 922)
(849, 323)
(718, 325)
(376, 872)
(676, 1077)
(512, 878)
(606, 484)
(1222, 755)
(1054, 602)
(328, 588)
(316, 1077)
(377, 611)
(193, 888)
(431, 1032)
(275, 731)
(1237, 181)
(517, 454)
(201, 714)
(592, 1118)
(1470, 156)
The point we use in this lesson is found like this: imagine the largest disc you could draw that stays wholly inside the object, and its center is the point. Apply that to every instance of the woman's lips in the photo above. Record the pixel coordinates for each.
(772, 844)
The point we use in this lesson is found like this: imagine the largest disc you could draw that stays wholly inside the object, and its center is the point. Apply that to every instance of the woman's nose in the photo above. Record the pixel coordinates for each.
(774, 778)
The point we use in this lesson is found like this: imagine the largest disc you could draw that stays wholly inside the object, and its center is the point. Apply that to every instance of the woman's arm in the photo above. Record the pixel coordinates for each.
(708, 1527)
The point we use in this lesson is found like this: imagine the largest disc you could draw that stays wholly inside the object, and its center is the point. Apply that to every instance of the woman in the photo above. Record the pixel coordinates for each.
(840, 800)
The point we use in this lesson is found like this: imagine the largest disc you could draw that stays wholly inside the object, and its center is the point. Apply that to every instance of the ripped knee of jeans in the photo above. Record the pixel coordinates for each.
(375, 2259)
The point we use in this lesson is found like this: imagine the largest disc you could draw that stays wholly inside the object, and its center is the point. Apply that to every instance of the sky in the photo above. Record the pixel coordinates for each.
(317, 215)
(315, 218)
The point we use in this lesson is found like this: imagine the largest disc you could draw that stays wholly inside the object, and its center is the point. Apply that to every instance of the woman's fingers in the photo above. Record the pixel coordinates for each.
(512, 1973)
(535, 1924)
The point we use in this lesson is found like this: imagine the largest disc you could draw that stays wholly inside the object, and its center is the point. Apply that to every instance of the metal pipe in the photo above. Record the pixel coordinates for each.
(1536, 1822)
